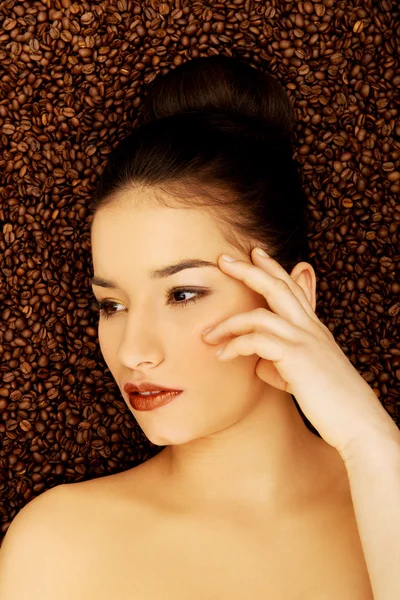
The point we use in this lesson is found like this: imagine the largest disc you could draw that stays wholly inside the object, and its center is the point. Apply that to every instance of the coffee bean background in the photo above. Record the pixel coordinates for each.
(72, 79)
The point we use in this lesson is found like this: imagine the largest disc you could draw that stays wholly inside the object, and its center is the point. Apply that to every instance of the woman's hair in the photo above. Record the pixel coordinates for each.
(216, 135)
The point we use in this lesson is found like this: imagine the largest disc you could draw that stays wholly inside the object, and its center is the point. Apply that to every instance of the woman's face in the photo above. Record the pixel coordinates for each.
(154, 333)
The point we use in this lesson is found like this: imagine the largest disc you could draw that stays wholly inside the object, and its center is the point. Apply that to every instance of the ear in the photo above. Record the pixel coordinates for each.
(304, 275)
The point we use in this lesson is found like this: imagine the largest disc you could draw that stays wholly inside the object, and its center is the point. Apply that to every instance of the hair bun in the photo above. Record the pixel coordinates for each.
(223, 85)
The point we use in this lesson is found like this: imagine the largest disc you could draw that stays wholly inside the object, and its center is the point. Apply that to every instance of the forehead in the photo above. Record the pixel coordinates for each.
(148, 226)
(134, 238)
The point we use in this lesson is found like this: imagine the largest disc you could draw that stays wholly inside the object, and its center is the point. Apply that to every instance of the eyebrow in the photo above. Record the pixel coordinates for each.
(189, 263)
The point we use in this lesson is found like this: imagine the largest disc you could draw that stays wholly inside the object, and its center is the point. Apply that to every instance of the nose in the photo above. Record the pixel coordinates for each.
(139, 344)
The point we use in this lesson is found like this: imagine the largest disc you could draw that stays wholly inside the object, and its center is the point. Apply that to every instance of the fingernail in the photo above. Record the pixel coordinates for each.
(228, 258)
(207, 330)
(261, 252)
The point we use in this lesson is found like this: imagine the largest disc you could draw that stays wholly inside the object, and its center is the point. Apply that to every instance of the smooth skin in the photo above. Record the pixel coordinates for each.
(230, 437)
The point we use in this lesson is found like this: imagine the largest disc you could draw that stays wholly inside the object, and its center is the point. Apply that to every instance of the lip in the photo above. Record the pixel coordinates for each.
(145, 386)
(147, 403)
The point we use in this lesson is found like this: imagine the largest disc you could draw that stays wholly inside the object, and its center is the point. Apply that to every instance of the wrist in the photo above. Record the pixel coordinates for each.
(375, 449)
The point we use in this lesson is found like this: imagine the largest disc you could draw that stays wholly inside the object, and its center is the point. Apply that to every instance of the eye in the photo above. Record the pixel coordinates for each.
(106, 307)
(179, 291)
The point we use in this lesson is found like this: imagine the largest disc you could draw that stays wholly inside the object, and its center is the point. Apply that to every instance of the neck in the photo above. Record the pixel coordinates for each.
(267, 460)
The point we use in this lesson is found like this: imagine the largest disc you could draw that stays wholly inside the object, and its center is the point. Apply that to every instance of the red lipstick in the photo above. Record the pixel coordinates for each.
(151, 401)
(159, 396)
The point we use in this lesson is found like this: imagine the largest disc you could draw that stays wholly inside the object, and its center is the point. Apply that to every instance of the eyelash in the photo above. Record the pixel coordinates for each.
(103, 307)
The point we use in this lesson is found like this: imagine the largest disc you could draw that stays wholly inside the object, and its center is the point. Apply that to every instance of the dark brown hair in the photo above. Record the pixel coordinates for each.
(216, 134)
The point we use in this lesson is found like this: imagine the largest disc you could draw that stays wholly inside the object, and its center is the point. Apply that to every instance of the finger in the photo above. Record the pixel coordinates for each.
(268, 347)
(265, 370)
(277, 292)
(276, 270)
(259, 320)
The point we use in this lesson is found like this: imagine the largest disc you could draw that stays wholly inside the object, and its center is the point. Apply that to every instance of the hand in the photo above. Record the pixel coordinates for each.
(299, 355)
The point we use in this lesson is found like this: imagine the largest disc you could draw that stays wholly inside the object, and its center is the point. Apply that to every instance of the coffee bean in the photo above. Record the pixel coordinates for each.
(71, 86)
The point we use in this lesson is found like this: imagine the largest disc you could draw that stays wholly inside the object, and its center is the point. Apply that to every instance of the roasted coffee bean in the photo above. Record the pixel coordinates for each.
(71, 78)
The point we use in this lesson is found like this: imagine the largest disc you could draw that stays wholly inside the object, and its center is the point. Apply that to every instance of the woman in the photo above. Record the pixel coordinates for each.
(246, 499)
(238, 457)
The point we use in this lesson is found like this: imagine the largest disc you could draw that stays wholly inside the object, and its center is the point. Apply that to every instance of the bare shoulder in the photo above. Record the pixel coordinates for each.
(35, 548)
(59, 537)
(111, 500)
(39, 510)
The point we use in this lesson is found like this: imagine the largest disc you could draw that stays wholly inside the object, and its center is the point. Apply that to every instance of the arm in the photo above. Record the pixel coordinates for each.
(374, 476)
